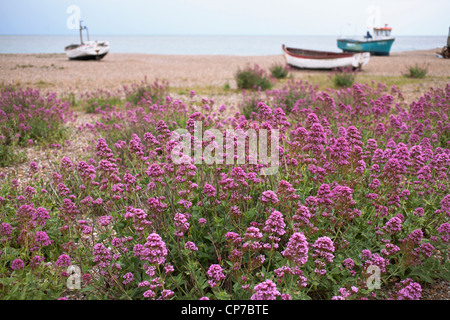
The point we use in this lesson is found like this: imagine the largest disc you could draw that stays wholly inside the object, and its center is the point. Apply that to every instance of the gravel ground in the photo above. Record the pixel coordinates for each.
(55, 72)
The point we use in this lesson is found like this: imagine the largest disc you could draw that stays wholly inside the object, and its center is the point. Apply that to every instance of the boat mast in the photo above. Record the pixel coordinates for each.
(81, 33)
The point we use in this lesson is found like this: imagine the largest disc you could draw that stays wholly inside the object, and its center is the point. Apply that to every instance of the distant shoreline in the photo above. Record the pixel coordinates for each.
(241, 45)
(393, 53)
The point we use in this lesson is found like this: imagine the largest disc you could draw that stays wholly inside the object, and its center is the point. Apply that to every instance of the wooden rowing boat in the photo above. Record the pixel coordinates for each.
(313, 59)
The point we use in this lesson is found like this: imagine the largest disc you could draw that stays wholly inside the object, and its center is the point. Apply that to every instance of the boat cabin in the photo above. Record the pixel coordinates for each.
(383, 31)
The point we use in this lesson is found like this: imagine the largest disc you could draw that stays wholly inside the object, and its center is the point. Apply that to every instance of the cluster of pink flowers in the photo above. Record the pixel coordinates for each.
(215, 273)
(323, 253)
(297, 249)
(266, 290)
(340, 189)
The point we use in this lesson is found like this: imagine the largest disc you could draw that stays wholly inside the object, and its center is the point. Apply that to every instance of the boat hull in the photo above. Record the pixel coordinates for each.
(88, 57)
(375, 47)
(91, 50)
(309, 59)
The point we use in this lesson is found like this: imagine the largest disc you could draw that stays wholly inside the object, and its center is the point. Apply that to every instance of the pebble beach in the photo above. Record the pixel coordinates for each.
(54, 72)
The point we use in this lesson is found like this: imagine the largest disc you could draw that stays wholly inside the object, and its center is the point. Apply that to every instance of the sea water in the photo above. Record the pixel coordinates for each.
(202, 44)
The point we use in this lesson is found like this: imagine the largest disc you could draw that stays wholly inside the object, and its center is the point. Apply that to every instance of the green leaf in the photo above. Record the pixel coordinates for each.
(222, 295)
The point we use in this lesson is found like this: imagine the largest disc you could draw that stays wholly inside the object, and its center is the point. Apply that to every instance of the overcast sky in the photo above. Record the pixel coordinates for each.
(235, 17)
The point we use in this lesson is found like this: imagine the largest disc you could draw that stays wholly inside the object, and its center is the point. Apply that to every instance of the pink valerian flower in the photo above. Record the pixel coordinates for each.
(253, 233)
(149, 294)
(316, 139)
(63, 190)
(105, 220)
(150, 139)
(157, 204)
(128, 277)
(181, 224)
(167, 294)
(154, 250)
(235, 211)
(444, 231)
(374, 259)
(266, 290)
(34, 167)
(296, 271)
(209, 190)
(29, 192)
(17, 264)
(275, 225)
(42, 239)
(40, 216)
(140, 223)
(354, 137)
(323, 249)
(349, 264)
(185, 203)
(215, 273)
(445, 205)
(69, 210)
(344, 293)
(302, 216)
(419, 211)
(297, 249)
(63, 261)
(323, 253)
(427, 249)
(86, 171)
(36, 261)
(342, 195)
(102, 255)
(390, 250)
(286, 191)
(393, 226)
(135, 145)
(233, 238)
(168, 268)
(407, 290)
(269, 196)
(340, 152)
(416, 236)
(67, 164)
(25, 214)
(190, 246)
(103, 151)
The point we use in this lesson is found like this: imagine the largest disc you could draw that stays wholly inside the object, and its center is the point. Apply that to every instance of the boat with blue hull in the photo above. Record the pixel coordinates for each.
(379, 44)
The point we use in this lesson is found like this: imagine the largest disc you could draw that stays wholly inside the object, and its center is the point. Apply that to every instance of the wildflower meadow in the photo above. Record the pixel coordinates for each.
(357, 208)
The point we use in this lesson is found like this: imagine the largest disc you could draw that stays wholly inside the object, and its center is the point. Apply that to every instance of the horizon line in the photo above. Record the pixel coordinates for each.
(208, 35)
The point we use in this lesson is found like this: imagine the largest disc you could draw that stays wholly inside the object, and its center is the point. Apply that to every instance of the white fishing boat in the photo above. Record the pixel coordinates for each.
(312, 59)
(88, 50)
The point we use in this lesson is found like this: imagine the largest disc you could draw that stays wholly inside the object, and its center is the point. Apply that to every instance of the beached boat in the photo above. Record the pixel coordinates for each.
(88, 50)
(311, 59)
(379, 44)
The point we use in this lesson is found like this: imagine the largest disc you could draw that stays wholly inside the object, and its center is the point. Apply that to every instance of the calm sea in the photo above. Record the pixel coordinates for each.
(203, 45)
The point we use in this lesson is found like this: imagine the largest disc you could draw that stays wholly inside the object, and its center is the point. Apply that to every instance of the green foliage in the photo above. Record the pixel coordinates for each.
(29, 118)
(279, 71)
(100, 100)
(417, 72)
(253, 78)
(154, 92)
(344, 77)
